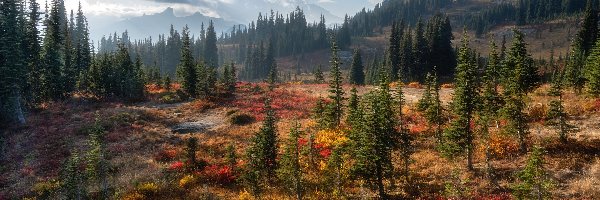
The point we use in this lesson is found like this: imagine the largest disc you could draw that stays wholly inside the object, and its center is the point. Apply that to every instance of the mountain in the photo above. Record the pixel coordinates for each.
(159, 23)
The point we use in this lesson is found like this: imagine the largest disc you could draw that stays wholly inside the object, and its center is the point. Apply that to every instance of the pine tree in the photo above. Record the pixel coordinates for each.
(582, 47)
(73, 180)
(32, 53)
(521, 79)
(319, 78)
(290, 172)
(52, 56)
(557, 116)
(186, 71)
(592, 71)
(97, 165)
(404, 138)
(426, 99)
(12, 66)
(434, 112)
(262, 154)
(357, 73)
(420, 51)
(335, 89)
(211, 56)
(395, 49)
(190, 153)
(354, 117)
(459, 137)
(534, 182)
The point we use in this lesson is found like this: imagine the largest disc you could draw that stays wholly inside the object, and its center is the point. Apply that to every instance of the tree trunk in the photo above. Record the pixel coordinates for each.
(380, 185)
(14, 109)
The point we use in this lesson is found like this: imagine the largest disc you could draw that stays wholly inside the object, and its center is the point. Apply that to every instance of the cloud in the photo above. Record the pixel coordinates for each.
(172, 1)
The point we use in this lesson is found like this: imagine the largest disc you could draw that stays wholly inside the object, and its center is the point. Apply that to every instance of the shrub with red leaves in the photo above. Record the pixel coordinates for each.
(287, 104)
(222, 175)
(165, 155)
(176, 166)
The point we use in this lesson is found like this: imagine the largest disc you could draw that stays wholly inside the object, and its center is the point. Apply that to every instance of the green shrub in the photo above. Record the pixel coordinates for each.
(241, 119)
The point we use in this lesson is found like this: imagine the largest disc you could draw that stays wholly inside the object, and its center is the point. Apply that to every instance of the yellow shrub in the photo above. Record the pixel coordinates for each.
(186, 181)
(148, 189)
(538, 112)
(331, 138)
(245, 195)
(134, 196)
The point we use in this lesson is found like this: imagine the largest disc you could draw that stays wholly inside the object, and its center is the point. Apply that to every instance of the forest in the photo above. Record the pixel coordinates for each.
(401, 102)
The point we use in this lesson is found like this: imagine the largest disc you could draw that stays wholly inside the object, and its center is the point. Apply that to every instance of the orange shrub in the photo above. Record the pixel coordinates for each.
(447, 86)
(538, 112)
(503, 146)
(416, 85)
(165, 155)
(203, 105)
(592, 106)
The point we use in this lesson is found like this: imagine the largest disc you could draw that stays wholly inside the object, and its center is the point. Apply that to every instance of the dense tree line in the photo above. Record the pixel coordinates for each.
(37, 69)
(415, 52)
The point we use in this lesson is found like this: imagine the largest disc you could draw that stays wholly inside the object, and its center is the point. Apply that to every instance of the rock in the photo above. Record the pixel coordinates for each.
(190, 127)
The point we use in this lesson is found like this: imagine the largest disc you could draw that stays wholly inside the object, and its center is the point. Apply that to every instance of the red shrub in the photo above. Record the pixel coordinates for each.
(222, 175)
(176, 166)
(165, 155)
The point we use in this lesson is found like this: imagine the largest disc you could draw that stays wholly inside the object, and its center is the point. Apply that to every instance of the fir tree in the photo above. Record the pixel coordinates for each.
(534, 182)
(232, 157)
(262, 153)
(52, 56)
(97, 165)
(557, 116)
(335, 88)
(32, 53)
(521, 77)
(592, 71)
(186, 71)
(211, 56)
(357, 72)
(290, 172)
(426, 99)
(434, 112)
(73, 180)
(12, 66)
(319, 78)
(490, 104)
(459, 137)
(395, 49)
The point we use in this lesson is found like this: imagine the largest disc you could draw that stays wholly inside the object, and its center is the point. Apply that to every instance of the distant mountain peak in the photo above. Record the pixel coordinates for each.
(169, 11)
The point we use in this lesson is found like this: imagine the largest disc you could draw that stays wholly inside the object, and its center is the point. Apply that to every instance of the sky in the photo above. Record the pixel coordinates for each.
(102, 14)
(122, 9)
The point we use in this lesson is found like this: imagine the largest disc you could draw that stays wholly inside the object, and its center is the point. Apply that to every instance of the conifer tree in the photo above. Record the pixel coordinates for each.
(434, 112)
(262, 154)
(534, 182)
(73, 179)
(232, 157)
(97, 165)
(583, 45)
(335, 109)
(557, 116)
(395, 48)
(32, 54)
(319, 78)
(354, 117)
(12, 66)
(52, 56)
(290, 172)
(490, 104)
(404, 138)
(186, 71)
(357, 71)
(211, 56)
(426, 99)
(521, 79)
(459, 137)
(592, 71)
